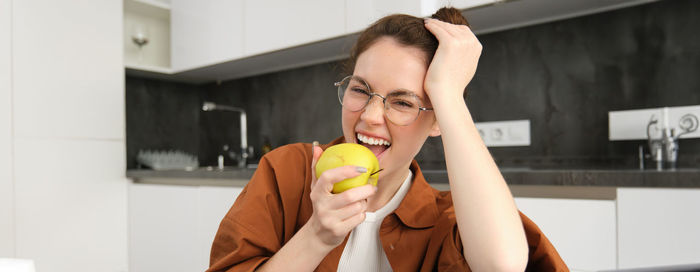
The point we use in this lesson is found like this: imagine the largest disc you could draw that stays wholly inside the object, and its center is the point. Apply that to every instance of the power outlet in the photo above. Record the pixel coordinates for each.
(505, 133)
(632, 124)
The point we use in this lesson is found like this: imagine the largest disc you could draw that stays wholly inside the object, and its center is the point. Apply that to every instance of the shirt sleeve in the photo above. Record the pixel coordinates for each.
(445, 247)
(452, 257)
(251, 231)
(543, 256)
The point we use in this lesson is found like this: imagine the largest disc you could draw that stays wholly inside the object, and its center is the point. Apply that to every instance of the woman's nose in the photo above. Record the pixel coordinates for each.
(374, 111)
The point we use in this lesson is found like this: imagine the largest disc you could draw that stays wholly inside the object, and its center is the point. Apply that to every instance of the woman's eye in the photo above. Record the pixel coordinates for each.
(359, 90)
(402, 103)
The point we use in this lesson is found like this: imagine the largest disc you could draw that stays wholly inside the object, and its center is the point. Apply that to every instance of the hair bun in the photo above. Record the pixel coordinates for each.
(450, 15)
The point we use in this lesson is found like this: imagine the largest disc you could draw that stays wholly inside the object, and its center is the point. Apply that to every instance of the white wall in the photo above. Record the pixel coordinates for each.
(7, 218)
(68, 124)
(68, 70)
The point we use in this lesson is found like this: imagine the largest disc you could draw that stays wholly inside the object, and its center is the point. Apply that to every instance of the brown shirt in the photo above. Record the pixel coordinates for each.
(420, 235)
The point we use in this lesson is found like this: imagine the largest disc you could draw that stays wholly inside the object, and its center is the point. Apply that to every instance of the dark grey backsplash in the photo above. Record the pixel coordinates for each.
(563, 76)
(566, 76)
(161, 116)
(299, 105)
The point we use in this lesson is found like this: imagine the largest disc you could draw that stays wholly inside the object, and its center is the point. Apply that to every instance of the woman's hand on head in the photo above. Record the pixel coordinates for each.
(335, 215)
(455, 60)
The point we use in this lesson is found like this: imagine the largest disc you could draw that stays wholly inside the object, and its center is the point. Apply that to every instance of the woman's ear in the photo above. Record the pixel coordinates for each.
(435, 129)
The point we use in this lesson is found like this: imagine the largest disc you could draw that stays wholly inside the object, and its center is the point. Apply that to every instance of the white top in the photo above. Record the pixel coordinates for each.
(364, 251)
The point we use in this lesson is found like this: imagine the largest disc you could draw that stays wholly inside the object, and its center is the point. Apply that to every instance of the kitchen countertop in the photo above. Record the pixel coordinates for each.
(227, 173)
(679, 178)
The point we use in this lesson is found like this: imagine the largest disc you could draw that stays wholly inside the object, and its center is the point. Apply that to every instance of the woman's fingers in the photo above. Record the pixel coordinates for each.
(336, 214)
(351, 222)
(331, 176)
(437, 29)
(457, 31)
(316, 151)
(352, 195)
(455, 60)
(446, 32)
(351, 209)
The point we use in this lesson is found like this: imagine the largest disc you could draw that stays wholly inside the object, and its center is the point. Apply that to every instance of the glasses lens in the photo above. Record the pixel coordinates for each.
(353, 94)
(402, 108)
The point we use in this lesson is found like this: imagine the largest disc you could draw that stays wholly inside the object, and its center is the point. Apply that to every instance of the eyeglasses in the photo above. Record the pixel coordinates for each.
(401, 107)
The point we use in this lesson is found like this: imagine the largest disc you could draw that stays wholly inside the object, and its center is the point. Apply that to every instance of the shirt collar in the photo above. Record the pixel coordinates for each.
(393, 203)
(418, 208)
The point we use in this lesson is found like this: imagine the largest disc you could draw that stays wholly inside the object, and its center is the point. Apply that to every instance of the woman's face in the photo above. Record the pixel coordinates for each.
(387, 66)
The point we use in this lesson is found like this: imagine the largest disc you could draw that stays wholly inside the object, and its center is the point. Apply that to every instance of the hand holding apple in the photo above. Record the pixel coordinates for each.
(335, 215)
(349, 154)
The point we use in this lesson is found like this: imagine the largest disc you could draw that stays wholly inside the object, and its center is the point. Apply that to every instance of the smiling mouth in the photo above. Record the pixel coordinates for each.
(377, 146)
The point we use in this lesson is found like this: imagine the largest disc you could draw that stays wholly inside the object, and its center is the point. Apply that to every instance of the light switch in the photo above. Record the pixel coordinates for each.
(505, 133)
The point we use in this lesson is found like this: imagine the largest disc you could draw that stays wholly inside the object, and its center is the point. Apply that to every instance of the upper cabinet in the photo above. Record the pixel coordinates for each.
(213, 40)
(206, 32)
(510, 14)
(147, 34)
(276, 24)
(361, 13)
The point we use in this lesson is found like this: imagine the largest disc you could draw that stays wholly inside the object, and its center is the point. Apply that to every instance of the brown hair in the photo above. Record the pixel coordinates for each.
(407, 30)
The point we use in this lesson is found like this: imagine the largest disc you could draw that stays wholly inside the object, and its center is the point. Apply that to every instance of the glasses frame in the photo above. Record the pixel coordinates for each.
(339, 84)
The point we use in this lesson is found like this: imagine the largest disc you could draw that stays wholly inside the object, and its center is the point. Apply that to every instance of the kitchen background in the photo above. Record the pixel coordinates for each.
(79, 99)
(564, 76)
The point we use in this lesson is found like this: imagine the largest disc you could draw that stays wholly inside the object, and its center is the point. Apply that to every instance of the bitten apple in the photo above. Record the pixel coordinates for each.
(349, 154)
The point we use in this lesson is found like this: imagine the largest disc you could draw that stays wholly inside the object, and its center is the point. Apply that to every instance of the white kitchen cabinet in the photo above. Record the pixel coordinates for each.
(361, 13)
(162, 228)
(583, 231)
(358, 15)
(70, 204)
(214, 203)
(7, 232)
(216, 40)
(658, 227)
(215, 31)
(205, 32)
(171, 227)
(276, 24)
(152, 18)
(468, 4)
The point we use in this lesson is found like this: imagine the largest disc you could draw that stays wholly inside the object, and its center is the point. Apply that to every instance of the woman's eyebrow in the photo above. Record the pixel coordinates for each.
(400, 91)
(363, 81)
(404, 91)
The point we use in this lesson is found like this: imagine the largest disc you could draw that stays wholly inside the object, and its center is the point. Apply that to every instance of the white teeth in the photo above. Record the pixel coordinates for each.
(372, 141)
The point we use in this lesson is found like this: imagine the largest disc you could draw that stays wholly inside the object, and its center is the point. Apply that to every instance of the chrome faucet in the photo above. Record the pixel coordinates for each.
(245, 151)
(664, 149)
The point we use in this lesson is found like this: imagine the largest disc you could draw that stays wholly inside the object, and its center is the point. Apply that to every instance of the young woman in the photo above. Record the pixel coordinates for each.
(406, 83)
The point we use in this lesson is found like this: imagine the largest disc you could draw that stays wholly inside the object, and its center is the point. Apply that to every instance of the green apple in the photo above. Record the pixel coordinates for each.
(349, 154)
